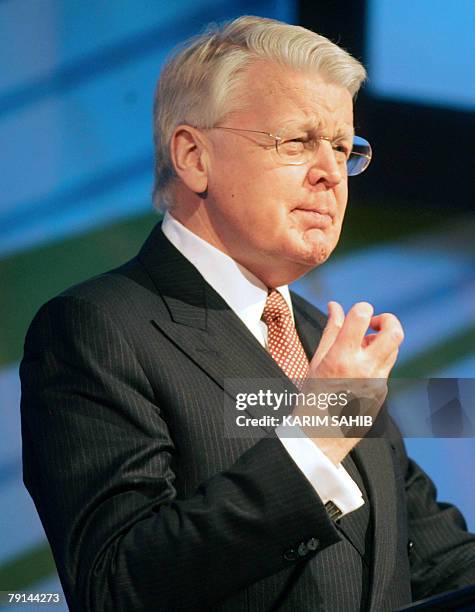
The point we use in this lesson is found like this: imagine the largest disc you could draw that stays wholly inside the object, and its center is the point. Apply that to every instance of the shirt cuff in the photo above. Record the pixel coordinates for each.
(331, 482)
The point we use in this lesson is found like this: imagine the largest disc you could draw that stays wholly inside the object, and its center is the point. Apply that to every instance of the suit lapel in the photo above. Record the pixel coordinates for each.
(308, 330)
(201, 324)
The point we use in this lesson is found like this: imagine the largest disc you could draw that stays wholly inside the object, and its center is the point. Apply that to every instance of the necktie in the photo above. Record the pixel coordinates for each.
(283, 342)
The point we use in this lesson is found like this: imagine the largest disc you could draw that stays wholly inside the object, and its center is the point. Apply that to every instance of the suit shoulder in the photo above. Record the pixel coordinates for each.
(109, 287)
(114, 295)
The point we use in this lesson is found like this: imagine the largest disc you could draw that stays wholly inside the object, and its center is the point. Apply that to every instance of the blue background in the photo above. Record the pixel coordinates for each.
(76, 89)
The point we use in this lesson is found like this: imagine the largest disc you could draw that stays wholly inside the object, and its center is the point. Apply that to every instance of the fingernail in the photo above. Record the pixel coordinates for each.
(364, 310)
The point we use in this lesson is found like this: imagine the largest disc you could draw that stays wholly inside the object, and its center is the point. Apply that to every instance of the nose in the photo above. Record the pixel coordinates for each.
(325, 167)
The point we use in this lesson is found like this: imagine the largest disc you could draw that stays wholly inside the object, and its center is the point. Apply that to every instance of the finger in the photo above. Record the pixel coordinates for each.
(387, 321)
(368, 339)
(384, 350)
(336, 317)
(389, 337)
(355, 326)
(391, 360)
(336, 314)
(387, 362)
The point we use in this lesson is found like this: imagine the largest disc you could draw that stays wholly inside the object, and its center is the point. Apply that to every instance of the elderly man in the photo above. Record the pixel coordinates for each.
(146, 503)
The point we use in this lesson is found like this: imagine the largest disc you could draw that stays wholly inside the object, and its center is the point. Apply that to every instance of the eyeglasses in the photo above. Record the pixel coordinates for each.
(296, 151)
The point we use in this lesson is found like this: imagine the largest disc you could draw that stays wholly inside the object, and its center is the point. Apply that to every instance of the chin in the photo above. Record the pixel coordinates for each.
(317, 251)
(320, 246)
(302, 263)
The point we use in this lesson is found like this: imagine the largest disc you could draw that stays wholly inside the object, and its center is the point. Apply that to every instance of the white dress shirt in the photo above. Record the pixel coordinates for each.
(246, 295)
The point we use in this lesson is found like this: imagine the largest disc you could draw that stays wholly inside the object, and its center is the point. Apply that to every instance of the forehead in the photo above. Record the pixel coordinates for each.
(276, 94)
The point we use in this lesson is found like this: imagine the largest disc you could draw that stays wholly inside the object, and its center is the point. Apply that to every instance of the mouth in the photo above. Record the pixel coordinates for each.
(315, 217)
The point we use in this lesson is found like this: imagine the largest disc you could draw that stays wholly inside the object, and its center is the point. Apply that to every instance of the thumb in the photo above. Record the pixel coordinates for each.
(336, 317)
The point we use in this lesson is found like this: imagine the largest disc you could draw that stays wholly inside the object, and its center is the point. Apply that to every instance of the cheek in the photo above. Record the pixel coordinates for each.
(265, 193)
(342, 192)
(341, 198)
(259, 195)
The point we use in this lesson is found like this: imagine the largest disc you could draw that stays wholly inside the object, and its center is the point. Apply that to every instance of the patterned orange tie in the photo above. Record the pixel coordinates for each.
(283, 342)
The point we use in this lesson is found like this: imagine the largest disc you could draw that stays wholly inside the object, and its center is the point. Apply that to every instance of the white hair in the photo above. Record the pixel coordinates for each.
(201, 84)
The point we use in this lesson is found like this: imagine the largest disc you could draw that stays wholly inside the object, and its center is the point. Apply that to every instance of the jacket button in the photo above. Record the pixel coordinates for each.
(290, 555)
(302, 549)
(313, 543)
(410, 545)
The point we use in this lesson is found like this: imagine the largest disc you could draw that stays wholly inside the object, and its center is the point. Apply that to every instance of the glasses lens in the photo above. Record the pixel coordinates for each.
(360, 156)
(291, 150)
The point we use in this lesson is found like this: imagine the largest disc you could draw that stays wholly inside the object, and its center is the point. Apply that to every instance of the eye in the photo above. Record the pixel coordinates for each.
(302, 140)
(342, 148)
(293, 146)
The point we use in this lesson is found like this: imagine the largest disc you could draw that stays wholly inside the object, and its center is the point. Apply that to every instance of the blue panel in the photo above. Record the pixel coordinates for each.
(422, 51)
(76, 91)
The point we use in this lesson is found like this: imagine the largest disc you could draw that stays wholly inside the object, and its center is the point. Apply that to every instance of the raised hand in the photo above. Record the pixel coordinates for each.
(347, 356)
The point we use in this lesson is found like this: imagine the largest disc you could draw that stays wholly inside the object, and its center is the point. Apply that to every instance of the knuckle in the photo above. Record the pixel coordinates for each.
(391, 319)
(369, 371)
(393, 324)
(398, 335)
(339, 364)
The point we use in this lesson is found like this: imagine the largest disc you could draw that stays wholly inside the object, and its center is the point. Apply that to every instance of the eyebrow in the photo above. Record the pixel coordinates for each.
(309, 126)
(345, 132)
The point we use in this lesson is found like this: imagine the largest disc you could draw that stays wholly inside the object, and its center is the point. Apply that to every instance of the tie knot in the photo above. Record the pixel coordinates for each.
(283, 342)
(276, 308)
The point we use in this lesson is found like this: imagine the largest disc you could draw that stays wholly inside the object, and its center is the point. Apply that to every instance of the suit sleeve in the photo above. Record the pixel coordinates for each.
(98, 462)
(442, 555)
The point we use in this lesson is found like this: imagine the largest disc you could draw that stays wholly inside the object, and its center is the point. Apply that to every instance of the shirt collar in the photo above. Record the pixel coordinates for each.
(244, 293)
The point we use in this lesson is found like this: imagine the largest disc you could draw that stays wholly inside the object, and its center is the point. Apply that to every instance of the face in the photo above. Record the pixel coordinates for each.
(279, 220)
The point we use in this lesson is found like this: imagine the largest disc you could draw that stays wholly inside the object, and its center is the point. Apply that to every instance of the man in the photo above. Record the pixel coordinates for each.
(146, 502)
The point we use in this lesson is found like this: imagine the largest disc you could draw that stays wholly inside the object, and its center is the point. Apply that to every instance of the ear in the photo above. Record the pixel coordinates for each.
(189, 155)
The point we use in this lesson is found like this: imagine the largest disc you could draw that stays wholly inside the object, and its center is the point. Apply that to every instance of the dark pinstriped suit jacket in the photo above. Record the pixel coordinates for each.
(147, 506)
